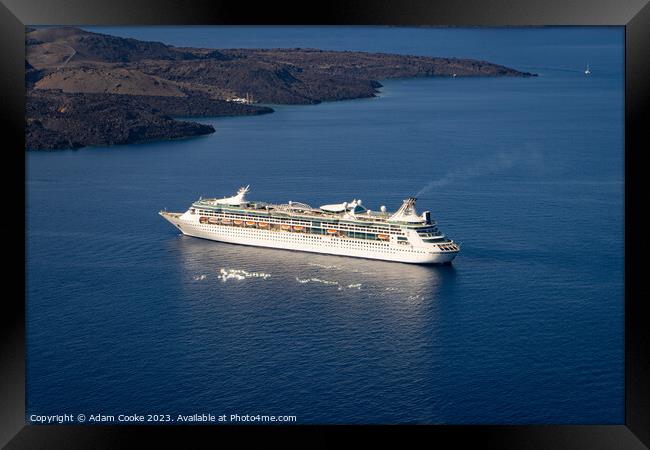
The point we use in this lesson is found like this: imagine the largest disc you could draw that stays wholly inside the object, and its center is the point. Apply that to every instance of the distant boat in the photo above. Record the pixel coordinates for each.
(587, 71)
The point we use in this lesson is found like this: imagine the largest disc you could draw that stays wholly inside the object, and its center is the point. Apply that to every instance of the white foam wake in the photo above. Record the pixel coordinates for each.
(324, 266)
(239, 274)
(328, 282)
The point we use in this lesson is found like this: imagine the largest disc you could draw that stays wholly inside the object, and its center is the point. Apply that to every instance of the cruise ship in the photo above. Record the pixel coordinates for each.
(345, 229)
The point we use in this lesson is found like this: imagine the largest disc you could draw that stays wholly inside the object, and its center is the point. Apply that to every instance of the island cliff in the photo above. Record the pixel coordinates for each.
(87, 88)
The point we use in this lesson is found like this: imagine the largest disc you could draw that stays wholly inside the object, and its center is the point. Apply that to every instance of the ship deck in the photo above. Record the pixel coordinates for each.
(295, 210)
(172, 215)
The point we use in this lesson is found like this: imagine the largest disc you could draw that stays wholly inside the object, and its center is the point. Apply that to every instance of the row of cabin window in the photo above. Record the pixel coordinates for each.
(350, 243)
(298, 236)
(302, 222)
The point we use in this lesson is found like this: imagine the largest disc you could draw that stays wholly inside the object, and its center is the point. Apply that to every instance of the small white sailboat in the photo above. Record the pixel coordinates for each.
(587, 71)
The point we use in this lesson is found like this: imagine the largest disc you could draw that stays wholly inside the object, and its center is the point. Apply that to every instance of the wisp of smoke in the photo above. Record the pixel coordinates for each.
(501, 162)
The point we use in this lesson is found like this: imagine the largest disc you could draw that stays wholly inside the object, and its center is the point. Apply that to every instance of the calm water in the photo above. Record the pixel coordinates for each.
(126, 316)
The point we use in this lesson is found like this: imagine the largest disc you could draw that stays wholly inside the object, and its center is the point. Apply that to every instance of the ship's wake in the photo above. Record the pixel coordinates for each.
(326, 281)
(239, 274)
(335, 267)
(340, 286)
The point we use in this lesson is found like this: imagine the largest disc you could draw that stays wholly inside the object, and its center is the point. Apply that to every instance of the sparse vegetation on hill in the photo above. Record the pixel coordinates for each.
(88, 88)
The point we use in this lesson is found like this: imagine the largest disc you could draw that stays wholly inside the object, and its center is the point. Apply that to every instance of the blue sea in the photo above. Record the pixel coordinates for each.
(126, 316)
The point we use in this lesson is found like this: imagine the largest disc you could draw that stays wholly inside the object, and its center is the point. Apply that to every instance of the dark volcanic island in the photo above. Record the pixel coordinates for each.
(87, 88)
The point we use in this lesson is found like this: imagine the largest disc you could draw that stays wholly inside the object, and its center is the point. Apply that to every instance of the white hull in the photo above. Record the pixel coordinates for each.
(332, 245)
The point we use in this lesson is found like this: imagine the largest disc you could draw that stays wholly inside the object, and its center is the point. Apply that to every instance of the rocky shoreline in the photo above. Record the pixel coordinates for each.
(87, 88)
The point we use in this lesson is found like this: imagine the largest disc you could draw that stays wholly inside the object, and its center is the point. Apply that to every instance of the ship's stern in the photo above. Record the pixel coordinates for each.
(442, 254)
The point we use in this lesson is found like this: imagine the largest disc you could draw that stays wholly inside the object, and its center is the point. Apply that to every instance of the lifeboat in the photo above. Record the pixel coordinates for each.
(213, 220)
(203, 219)
(298, 228)
(286, 227)
(226, 221)
(238, 222)
(331, 231)
(263, 225)
(250, 224)
(383, 237)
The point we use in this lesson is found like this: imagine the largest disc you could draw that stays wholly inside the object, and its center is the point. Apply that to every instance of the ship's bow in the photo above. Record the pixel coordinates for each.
(173, 218)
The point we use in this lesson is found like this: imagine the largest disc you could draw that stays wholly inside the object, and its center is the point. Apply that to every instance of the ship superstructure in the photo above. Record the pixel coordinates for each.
(346, 229)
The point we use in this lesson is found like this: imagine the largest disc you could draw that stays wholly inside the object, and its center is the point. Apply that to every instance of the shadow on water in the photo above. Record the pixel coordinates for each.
(221, 266)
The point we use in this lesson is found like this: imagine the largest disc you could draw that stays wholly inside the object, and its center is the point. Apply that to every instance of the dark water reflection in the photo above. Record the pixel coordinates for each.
(345, 333)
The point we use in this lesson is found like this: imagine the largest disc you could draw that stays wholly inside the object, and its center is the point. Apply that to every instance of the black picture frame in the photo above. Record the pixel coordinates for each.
(633, 15)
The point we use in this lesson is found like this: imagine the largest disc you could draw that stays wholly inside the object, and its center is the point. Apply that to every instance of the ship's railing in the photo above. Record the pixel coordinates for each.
(292, 206)
(303, 209)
